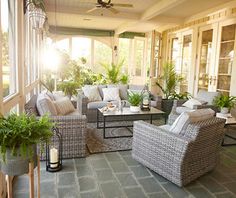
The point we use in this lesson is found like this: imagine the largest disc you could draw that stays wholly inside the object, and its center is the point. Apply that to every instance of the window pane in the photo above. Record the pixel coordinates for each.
(139, 52)
(63, 45)
(81, 48)
(8, 55)
(102, 54)
(124, 53)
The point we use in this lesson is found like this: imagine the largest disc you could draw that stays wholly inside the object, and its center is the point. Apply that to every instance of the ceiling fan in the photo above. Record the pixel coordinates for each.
(107, 4)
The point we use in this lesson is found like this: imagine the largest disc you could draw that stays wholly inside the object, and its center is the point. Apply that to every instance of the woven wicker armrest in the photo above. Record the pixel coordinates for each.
(161, 137)
(70, 121)
(84, 102)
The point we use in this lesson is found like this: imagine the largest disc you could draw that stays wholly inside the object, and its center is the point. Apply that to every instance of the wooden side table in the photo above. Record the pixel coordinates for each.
(31, 180)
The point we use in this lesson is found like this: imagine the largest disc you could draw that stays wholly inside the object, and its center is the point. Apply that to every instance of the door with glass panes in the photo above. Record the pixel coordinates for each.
(225, 72)
(181, 57)
(204, 77)
(139, 61)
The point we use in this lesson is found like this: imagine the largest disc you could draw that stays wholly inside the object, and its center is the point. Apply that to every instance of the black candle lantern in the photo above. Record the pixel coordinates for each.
(145, 106)
(54, 152)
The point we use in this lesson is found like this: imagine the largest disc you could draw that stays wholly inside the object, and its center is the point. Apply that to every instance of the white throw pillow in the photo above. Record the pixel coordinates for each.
(64, 106)
(185, 118)
(191, 103)
(110, 94)
(45, 105)
(92, 93)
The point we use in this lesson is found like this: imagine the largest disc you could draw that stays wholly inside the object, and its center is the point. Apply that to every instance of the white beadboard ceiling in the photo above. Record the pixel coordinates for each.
(146, 15)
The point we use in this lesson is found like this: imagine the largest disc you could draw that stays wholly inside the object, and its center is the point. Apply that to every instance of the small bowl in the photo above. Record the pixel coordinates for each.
(112, 108)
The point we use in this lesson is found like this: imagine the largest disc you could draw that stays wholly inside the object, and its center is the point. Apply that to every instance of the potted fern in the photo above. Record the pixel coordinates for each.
(225, 103)
(168, 84)
(134, 99)
(69, 88)
(19, 135)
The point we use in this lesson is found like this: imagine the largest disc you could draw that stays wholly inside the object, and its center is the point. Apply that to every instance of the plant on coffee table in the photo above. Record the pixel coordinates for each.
(225, 103)
(134, 99)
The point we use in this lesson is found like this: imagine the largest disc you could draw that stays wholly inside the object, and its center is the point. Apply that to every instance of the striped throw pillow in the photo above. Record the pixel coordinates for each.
(64, 106)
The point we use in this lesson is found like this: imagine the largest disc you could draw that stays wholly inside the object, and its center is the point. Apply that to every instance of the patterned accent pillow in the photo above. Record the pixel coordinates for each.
(92, 93)
(45, 105)
(110, 94)
(64, 106)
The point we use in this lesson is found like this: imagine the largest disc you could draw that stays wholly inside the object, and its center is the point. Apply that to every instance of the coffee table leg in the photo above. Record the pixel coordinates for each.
(151, 119)
(97, 118)
(104, 127)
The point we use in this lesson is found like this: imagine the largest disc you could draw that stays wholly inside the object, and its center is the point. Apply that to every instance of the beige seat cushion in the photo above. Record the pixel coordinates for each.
(185, 118)
(64, 106)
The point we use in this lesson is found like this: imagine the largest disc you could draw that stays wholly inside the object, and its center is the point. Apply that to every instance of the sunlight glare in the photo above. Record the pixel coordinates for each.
(51, 59)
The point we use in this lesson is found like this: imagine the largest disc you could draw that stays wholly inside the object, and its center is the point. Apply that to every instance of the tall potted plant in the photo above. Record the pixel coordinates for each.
(19, 135)
(69, 88)
(168, 83)
(225, 103)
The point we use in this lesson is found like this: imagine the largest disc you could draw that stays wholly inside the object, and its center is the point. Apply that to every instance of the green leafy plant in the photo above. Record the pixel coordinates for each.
(23, 131)
(180, 96)
(124, 79)
(113, 72)
(49, 84)
(37, 4)
(68, 87)
(169, 81)
(134, 98)
(224, 101)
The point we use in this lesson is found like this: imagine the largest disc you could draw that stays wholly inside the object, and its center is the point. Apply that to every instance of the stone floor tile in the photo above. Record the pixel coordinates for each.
(211, 184)
(231, 187)
(150, 185)
(159, 195)
(66, 179)
(200, 192)
(47, 176)
(159, 177)
(119, 167)
(140, 171)
(21, 195)
(21, 183)
(99, 164)
(130, 161)
(104, 175)
(84, 170)
(125, 153)
(175, 191)
(48, 189)
(93, 194)
(220, 177)
(87, 183)
(68, 192)
(112, 157)
(81, 161)
(111, 189)
(126, 180)
(225, 195)
(136, 192)
(96, 156)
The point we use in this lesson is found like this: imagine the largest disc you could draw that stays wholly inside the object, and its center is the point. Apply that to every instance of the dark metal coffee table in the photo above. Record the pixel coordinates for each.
(125, 115)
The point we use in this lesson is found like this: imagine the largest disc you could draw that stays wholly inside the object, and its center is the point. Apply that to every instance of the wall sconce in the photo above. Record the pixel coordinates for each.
(36, 12)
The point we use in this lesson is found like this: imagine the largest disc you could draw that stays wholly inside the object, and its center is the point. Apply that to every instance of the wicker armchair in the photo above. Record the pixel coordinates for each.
(73, 128)
(180, 159)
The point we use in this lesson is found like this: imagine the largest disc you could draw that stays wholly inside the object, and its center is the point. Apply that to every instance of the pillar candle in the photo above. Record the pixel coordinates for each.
(54, 157)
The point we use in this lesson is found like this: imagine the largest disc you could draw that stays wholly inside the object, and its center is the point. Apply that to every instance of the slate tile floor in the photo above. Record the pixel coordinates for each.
(116, 174)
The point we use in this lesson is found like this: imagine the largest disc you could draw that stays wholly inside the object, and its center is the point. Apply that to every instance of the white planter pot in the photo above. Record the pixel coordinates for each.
(134, 109)
(224, 110)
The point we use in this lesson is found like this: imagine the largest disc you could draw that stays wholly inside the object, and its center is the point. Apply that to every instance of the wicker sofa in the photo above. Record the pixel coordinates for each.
(73, 128)
(90, 108)
(180, 159)
(202, 95)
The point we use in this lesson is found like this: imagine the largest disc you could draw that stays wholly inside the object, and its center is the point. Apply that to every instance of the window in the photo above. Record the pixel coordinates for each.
(8, 36)
(102, 54)
(63, 45)
(139, 56)
(124, 53)
(81, 48)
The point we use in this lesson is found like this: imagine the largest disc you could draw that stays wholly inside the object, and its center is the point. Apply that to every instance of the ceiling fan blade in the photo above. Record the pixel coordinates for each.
(122, 5)
(91, 10)
(113, 10)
